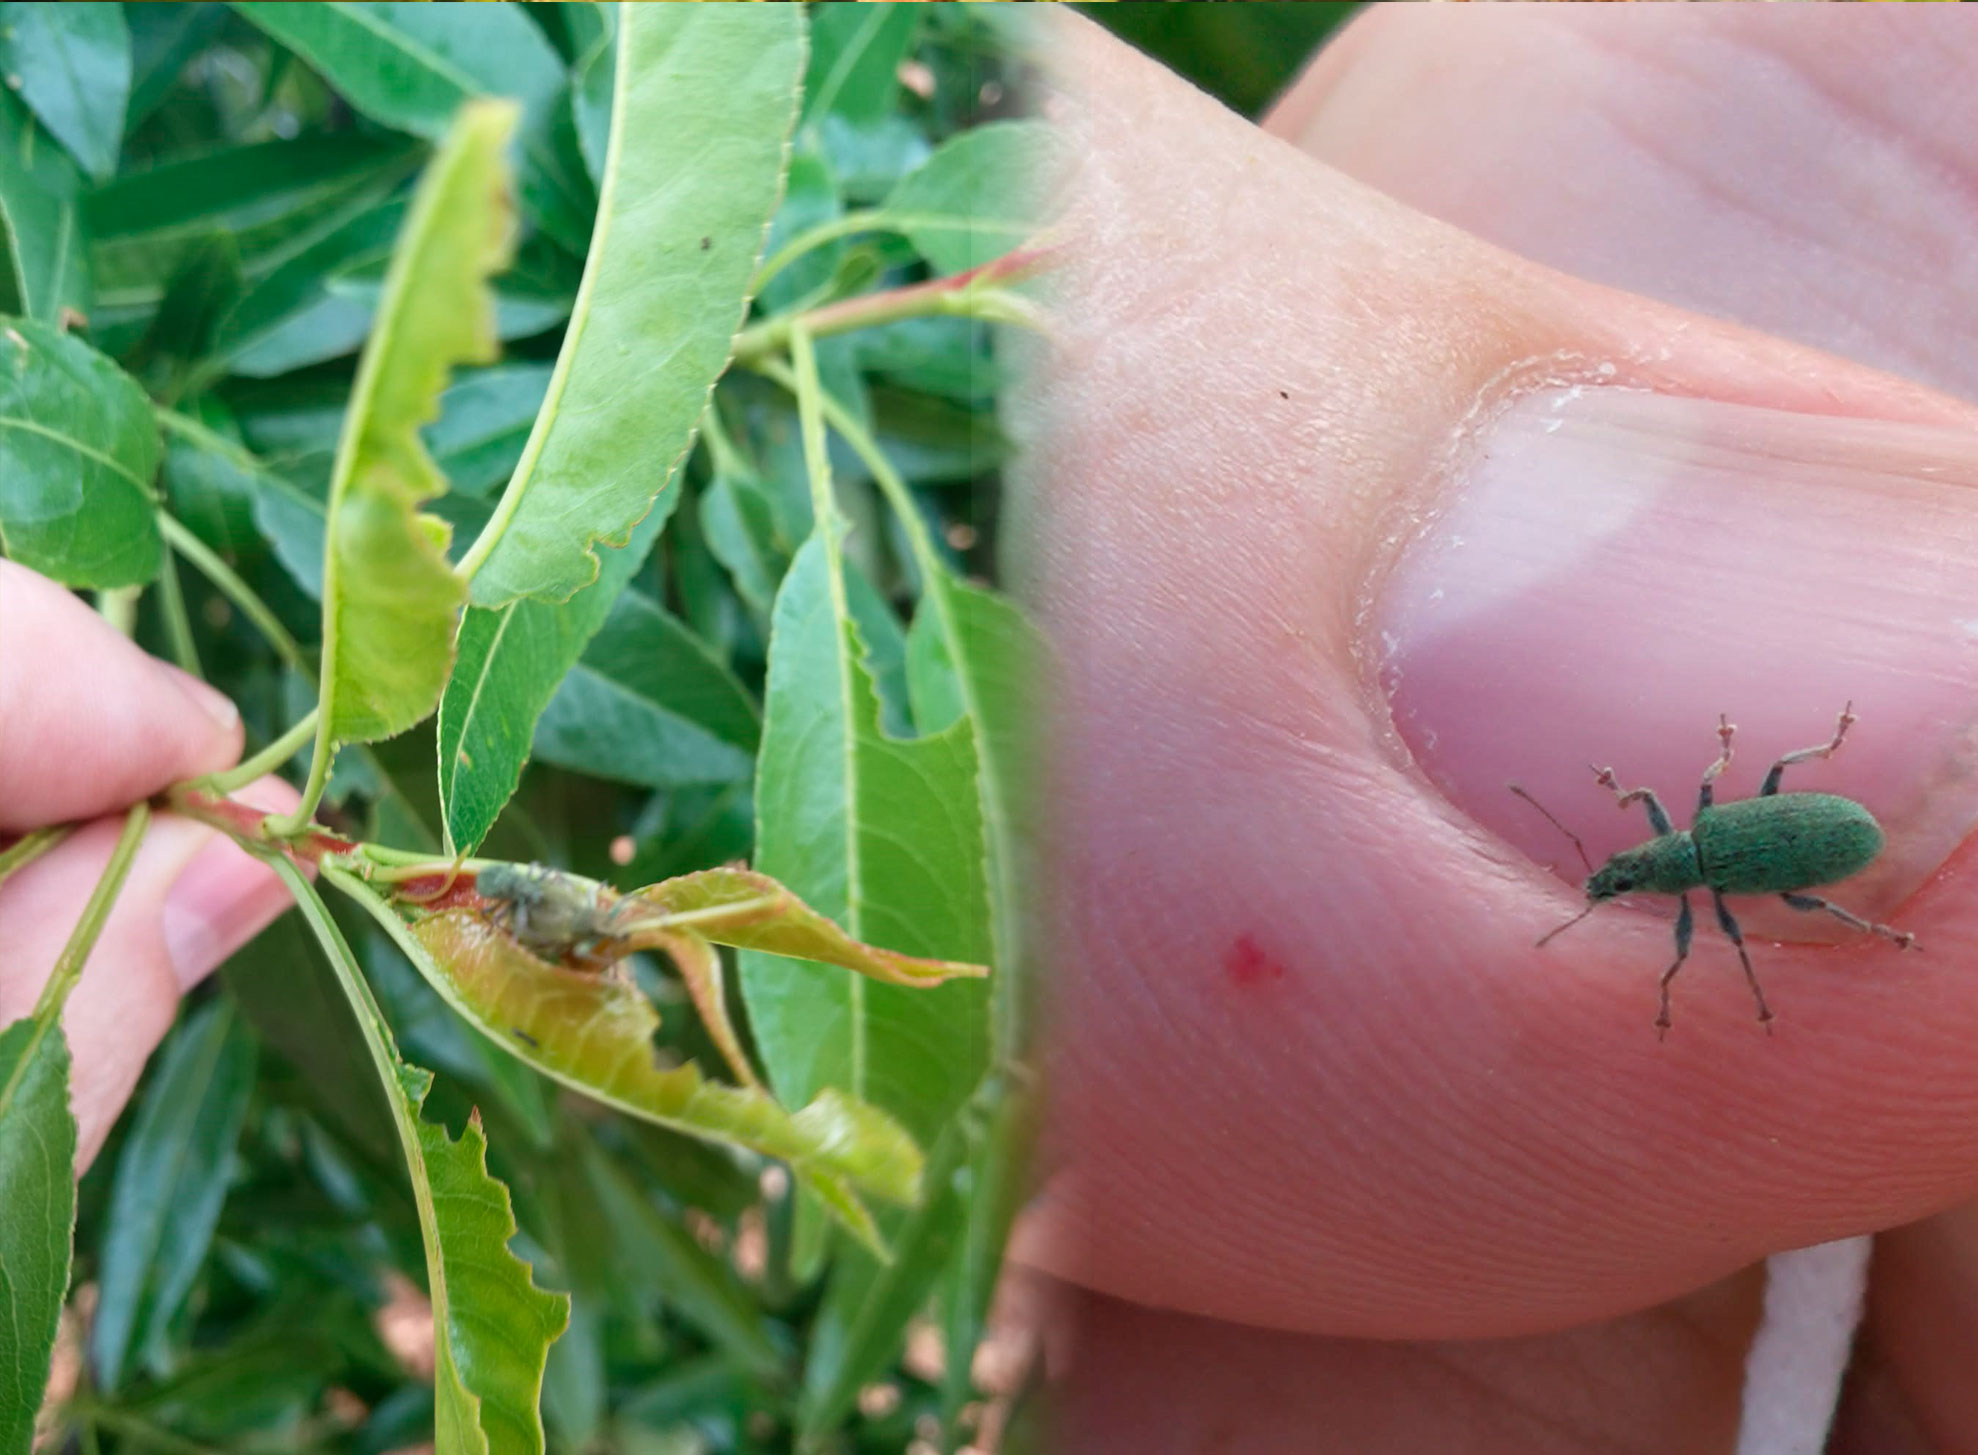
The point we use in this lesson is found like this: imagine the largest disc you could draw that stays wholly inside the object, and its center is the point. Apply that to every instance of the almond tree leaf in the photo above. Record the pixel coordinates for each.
(48, 259)
(751, 911)
(702, 104)
(594, 1032)
(411, 67)
(38, 1190)
(275, 199)
(391, 602)
(885, 838)
(72, 65)
(856, 52)
(78, 449)
(511, 660)
(493, 1325)
(170, 1183)
(972, 200)
(649, 703)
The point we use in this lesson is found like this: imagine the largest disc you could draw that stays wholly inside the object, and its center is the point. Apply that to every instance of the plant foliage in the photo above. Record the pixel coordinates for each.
(570, 434)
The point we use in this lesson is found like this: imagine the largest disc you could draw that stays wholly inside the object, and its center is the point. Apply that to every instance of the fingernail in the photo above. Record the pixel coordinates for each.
(1611, 570)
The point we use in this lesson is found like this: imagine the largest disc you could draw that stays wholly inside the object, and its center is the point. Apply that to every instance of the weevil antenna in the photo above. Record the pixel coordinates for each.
(1553, 934)
(1562, 829)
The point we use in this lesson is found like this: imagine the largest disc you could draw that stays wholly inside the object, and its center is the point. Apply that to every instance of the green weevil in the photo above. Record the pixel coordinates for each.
(1777, 843)
(553, 915)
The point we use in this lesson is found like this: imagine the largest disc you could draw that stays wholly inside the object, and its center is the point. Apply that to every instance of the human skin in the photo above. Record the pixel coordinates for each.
(1323, 1116)
(89, 724)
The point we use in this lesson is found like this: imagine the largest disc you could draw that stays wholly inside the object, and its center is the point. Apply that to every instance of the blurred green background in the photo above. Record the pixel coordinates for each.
(1242, 54)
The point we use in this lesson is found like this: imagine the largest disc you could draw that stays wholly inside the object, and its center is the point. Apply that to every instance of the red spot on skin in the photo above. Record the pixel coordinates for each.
(1247, 964)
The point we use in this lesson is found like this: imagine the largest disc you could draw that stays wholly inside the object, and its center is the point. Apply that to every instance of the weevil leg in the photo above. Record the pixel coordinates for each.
(1685, 924)
(1825, 750)
(1658, 818)
(1730, 928)
(1726, 730)
(1903, 938)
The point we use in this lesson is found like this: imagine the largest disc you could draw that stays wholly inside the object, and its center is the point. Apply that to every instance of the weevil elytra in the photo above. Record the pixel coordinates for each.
(552, 915)
(1777, 843)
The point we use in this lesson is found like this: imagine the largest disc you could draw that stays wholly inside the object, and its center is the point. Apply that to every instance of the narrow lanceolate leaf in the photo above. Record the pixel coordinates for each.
(171, 1181)
(974, 199)
(649, 704)
(493, 1326)
(594, 1031)
(973, 654)
(38, 1191)
(751, 911)
(883, 836)
(390, 600)
(703, 100)
(511, 659)
(72, 65)
(78, 449)
(47, 264)
(411, 67)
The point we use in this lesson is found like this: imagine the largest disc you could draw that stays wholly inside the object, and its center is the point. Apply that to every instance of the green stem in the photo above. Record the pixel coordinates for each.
(178, 623)
(266, 761)
(919, 540)
(118, 606)
(288, 825)
(75, 954)
(803, 382)
(850, 224)
(978, 293)
(235, 590)
(31, 846)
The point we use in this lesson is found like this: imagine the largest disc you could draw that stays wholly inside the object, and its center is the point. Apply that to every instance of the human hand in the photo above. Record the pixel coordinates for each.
(1313, 1076)
(89, 724)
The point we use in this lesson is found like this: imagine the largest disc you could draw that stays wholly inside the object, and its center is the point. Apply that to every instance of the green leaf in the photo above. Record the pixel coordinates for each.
(390, 600)
(78, 449)
(738, 522)
(48, 263)
(38, 1190)
(855, 58)
(484, 419)
(862, 1325)
(170, 1182)
(494, 1326)
(594, 1032)
(663, 1254)
(702, 104)
(208, 282)
(274, 199)
(511, 659)
(886, 838)
(751, 911)
(973, 654)
(163, 39)
(72, 65)
(649, 704)
(411, 67)
(975, 198)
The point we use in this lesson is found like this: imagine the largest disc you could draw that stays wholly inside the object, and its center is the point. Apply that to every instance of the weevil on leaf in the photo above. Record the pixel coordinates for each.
(554, 916)
(1777, 843)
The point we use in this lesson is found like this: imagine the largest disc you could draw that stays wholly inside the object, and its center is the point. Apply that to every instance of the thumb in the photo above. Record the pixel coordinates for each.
(1345, 518)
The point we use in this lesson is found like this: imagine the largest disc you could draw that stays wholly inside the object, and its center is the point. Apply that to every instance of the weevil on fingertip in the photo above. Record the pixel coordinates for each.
(1777, 843)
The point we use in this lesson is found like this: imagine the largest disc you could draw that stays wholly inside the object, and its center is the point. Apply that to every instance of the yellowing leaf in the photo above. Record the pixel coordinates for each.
(391, 602)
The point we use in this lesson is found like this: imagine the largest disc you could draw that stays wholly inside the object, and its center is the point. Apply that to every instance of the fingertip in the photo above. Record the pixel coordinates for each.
(93, 722)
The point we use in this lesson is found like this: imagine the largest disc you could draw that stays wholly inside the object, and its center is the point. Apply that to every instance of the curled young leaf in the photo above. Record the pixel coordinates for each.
(753, 912)
(391, 603)
(594, 1032)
